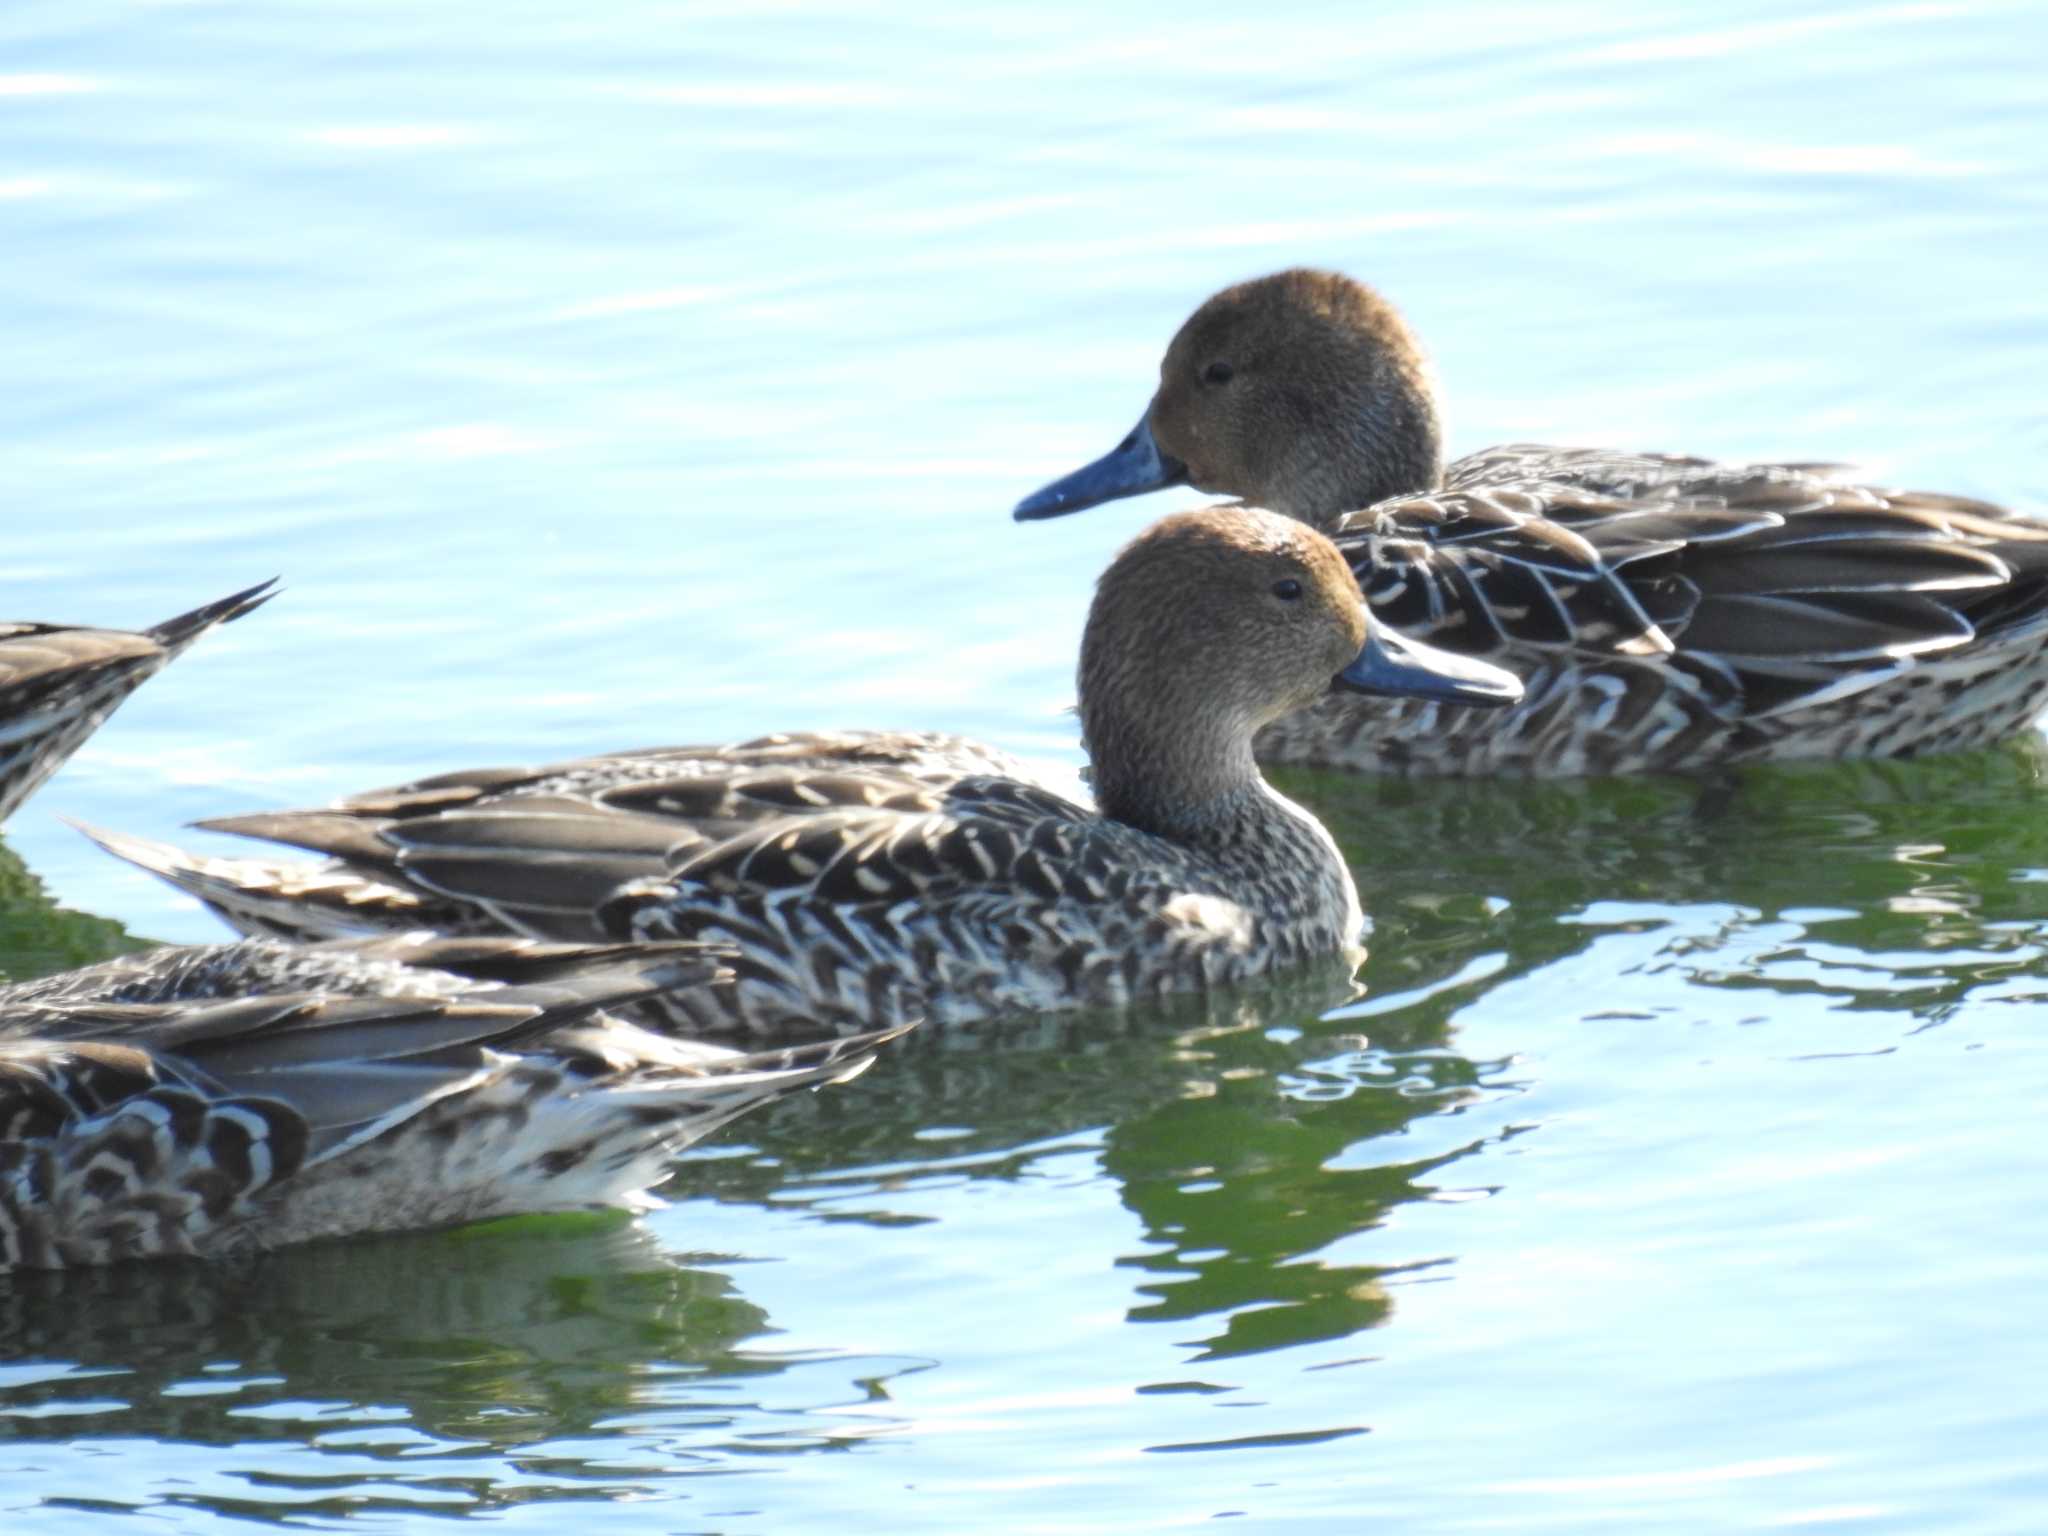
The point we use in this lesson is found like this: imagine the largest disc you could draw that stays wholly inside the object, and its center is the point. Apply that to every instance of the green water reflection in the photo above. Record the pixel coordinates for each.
(410, 1361)
(1904, 884)
(1253, 1138)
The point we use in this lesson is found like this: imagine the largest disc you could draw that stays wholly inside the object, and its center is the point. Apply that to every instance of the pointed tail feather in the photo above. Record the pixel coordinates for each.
(635, 1124)
(70, 679)
(515, 960)
(175, 634)
(277, 898)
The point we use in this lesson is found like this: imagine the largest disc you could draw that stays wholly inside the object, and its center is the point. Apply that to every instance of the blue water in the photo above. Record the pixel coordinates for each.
(603, 376)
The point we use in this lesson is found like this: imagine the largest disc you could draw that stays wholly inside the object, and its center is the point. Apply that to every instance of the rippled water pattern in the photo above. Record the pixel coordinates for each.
(609, 375)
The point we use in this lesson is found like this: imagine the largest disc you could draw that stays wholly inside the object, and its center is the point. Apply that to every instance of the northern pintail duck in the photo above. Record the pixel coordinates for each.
(58, 682)
(1663, 613)
(869, 878)
(224, 1098)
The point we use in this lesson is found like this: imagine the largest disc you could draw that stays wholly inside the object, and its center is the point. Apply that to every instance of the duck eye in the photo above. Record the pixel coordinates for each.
(1287, 589)
(1217, 373)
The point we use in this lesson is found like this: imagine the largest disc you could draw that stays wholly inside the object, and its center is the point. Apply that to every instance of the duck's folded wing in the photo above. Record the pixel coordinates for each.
(1791, 584)
(540, 863)
(910, 844)
(1614, 473)
(1859, 588)
(413, 965)
(1508, 569)
(935, 757)
(342, 1065)
(924, 756)
(302, 1072)
(533, 850)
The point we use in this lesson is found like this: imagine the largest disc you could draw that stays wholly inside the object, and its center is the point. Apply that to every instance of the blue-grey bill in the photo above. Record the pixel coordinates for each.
(1394, 665)
(1133, 467)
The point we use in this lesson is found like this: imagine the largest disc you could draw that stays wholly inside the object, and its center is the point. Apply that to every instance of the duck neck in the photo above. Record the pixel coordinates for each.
(1403, 447)
(1382, 438)
(1268, 851)
(1186, 786)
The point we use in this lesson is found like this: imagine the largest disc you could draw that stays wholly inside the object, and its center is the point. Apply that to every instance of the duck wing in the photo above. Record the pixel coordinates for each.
(418, 964)
(1528, 567)
(1792, 585)
(533, 850)
(1617, 474)
(258, 1084)
(915, 843)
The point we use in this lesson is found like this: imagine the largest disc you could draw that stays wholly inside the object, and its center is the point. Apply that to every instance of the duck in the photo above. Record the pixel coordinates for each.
(866, 878)
(59, 682)
(211, 1101)
(1663, 613)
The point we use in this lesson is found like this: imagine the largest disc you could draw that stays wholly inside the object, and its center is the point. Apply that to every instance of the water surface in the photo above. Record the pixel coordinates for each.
(605, 376)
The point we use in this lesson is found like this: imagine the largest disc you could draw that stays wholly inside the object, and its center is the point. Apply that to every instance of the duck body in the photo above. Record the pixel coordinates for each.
(1668, 614)
(993, 896)
(223, 1099)
(1663, 613)
(59, 682)
(866, 878)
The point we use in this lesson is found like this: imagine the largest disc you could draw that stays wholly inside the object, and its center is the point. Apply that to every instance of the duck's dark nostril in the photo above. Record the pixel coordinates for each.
(1130, 441)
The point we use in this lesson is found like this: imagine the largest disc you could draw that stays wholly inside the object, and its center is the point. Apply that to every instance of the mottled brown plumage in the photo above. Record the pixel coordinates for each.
(1662, 612)
(212, 1100)
(866, 879)
(59, 682)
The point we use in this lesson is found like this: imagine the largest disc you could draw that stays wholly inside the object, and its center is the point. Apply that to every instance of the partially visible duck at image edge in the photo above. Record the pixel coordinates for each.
(214, 1100)
(59, 682)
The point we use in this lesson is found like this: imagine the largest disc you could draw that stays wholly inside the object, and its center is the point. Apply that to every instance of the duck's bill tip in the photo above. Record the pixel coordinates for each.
(1395, 666)
(1040, 505)
(1132, 468)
